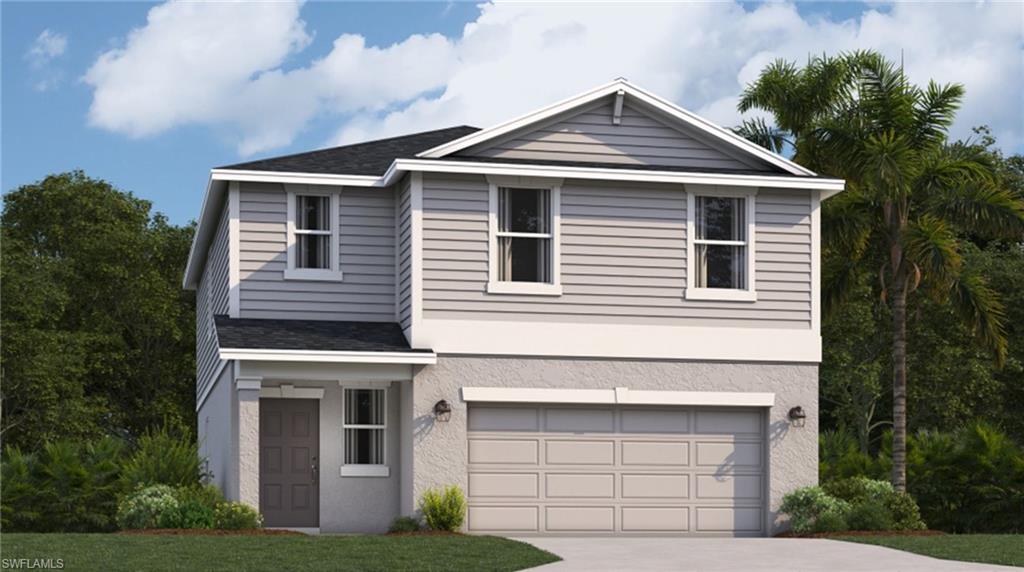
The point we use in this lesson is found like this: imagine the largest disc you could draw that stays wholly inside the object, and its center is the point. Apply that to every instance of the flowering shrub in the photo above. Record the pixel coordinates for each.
(146, 507)
(236, 516)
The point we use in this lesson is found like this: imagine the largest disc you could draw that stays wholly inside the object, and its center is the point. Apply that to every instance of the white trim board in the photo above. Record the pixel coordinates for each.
(617, 396)
(601, 340)
(288, 391)
(614, 88)
(420, 358)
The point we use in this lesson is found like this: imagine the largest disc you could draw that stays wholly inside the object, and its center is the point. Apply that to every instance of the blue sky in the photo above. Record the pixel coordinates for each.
(153, 119)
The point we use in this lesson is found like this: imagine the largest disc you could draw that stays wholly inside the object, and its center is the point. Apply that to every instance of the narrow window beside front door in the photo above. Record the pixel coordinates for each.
(524, 235)
(365, 426)
(721, 243)
(313, 232)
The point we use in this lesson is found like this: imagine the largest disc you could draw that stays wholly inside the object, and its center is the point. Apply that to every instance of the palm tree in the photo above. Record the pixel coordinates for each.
(910, 196)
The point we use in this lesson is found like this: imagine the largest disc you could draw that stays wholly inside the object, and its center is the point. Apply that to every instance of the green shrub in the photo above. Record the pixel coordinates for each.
(840, 457)
(188, 514)
(444, 509)
(833, 521)
(901, 508)
(236, 516)
(165, 456)
(147, 507)
(404, 524)
(870, 515)
(805, 506)
(905, 513)
(65, 487)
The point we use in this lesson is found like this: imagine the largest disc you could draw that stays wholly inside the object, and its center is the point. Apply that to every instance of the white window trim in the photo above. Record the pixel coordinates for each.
(736, 295)
(333, 274)
(377, 470)
(495, 286)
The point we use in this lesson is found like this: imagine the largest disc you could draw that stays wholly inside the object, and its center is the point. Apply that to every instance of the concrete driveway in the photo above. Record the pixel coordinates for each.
(739, 554)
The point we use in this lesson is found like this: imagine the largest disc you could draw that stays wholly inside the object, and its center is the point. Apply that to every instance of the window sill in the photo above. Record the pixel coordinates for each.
(721, 294)
(308, 274)
(365, 471)
(524, 288)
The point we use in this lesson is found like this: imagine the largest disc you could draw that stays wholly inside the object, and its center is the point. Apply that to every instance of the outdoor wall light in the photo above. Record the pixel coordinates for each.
(442, 410)
(797, 416)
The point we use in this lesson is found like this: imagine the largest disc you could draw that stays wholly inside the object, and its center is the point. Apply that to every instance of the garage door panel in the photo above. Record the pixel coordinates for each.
(580, 518)
(711, 422)
(504, 419)
(580, 420)
(564, 469)
(739, 455)
(503, 518)
(655, 453)
(729, 487)
(514, 485)
(579, 485)
(636, 486)
(655, 421)
(728, 519)
(504, 451)
(655, 519)
(568, 452)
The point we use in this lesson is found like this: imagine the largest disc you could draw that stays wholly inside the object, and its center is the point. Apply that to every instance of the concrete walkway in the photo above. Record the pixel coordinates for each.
(739, 554)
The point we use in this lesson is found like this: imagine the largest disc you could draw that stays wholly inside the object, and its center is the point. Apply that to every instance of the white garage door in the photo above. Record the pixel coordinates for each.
(616, 470)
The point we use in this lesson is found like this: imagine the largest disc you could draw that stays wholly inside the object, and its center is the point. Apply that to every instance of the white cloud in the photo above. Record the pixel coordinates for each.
(47, 46)
(516, 57)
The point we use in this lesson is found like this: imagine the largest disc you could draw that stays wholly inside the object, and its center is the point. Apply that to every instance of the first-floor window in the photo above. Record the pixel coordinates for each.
(365, 426)
(524, 235)
(720, 243)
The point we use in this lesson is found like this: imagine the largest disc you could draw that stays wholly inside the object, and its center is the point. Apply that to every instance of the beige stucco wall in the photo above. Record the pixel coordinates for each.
(440, 452)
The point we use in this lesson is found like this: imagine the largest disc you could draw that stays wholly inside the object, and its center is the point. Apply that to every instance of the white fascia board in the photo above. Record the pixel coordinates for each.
(617, 396)
(615, 174)
(296, 178)
(208, 218)
(419, 358)
(616, 87)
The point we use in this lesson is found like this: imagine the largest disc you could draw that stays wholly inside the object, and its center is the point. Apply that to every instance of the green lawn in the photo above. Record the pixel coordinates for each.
(112, 552)
(1007, 549)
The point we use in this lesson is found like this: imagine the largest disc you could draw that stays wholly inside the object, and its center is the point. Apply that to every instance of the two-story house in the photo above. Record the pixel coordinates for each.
(599, 318)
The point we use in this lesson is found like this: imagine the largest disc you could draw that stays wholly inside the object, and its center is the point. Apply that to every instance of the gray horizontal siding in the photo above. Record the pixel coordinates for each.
(404, 214)
(367, 251)
(213, 285)
(639, 139)
(623, 258)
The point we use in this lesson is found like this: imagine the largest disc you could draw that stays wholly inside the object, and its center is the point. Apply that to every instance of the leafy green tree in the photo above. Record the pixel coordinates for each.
(911, 196)
(97, 335)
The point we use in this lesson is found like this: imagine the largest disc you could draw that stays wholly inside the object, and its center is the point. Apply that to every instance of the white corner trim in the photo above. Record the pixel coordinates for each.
(617, 396)
(415, 256)
(420, 358)
(816, 261)
(288, 391)
(248, 383)
(748, 294)
(365, 471)
(625, 88)
(234, 247)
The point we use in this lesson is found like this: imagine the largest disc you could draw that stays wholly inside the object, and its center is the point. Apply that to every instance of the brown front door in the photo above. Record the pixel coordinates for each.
(289, 462)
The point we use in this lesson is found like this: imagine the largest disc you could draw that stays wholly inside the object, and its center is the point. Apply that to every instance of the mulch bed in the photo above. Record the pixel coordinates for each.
(209, 532)
(791, 534)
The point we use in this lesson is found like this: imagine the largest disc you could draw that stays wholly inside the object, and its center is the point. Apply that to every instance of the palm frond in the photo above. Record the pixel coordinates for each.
(758, 131)
(839, 279)
(979, 306)
(935, 111)
(849, 222)
(984, 209)
(932, 246)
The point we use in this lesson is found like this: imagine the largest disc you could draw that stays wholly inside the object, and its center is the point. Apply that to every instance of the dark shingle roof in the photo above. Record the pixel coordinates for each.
(317, 335)
(369, 158)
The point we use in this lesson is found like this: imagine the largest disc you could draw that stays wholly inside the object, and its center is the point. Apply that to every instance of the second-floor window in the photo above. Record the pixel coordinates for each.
(312, 234)
(720, 252)
(524, 235)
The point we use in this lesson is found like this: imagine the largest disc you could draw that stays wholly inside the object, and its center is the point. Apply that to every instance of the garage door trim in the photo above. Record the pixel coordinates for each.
(618, 396)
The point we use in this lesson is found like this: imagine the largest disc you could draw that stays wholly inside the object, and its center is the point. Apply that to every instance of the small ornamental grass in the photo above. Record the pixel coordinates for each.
(444, 509)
